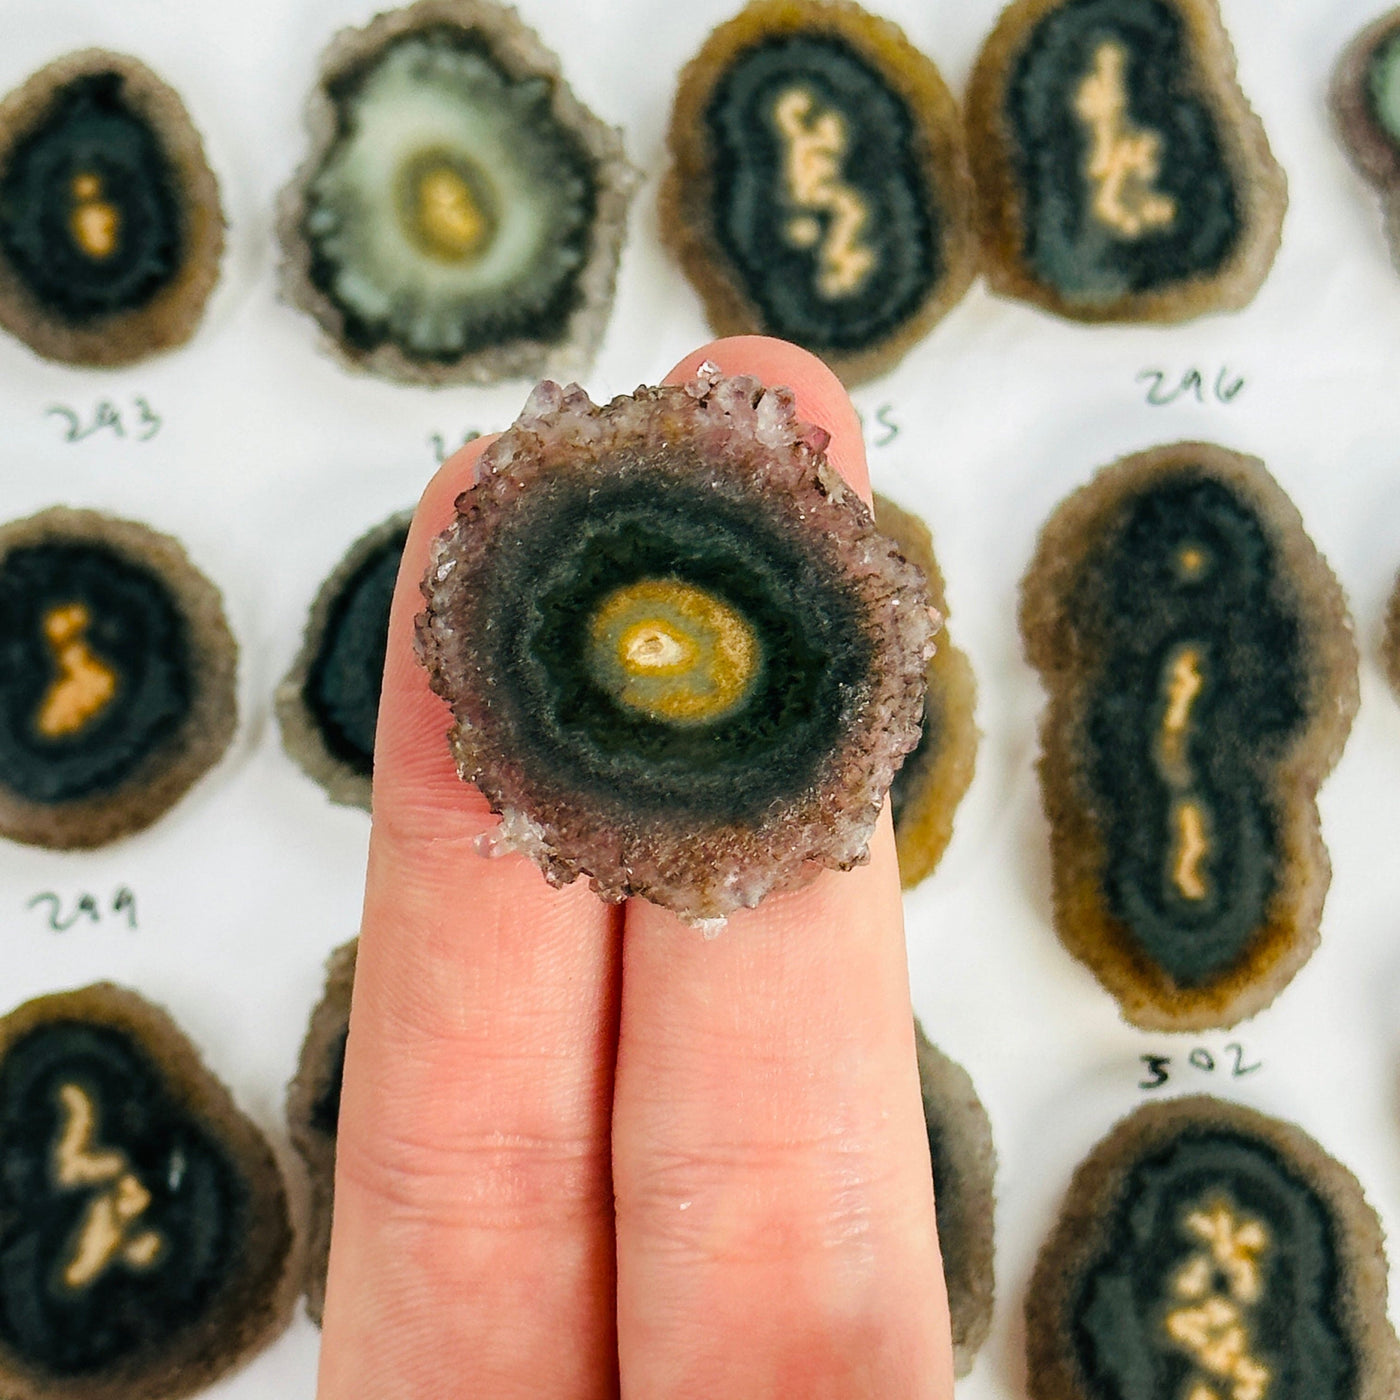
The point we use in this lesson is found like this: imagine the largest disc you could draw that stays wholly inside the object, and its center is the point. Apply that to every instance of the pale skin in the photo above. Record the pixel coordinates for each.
(583, 1151)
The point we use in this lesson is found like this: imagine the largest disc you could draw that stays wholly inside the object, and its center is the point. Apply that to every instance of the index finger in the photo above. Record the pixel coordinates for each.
(473, 1234)
(774, 1205)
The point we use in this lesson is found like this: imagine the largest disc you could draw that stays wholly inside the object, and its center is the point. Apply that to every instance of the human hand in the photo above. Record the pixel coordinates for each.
(585, 1152)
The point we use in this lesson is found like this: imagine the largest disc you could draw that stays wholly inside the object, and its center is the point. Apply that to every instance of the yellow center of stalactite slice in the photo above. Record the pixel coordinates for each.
(445, 207)
(1124, 161)
(94, 223)
(673, 651)
(84, 685)
(108, 1231)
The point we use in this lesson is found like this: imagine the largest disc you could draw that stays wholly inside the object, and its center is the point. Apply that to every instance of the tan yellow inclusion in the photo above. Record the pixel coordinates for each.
(1184, 685)
(1123, 162)
(110, 1213)
(1191, 845)
(84, 685)
(1192, 561)
(95, 222)
(1212, 1326)
(814, 145)
(680, 653)
(444, 208)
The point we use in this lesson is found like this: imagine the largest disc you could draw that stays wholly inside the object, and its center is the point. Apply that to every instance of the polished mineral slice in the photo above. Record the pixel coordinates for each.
(1366, 107)
(1205, 1250)
(680, 658)
(1391, 653)
(819, 188)
(110, 226)
(1203, 678)
(145, 1235)
(934, 779)
(117, 677)
(328, 703)
(460, 216)
(964, 1162)
(313, 1113)
(1121, 174)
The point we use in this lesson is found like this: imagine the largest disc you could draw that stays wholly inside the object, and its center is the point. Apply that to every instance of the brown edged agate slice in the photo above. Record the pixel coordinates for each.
(460, 216)
(313, 1113)
(934, 778)
(1205, 1251)
(819, 189)
(110, 225)
(1121, 174)
(117, 677)
(1391, 648)
(144, 1231)
(328, 703)
(1366, 107)
(681, 659)
(1202, 677)
(964, 1193)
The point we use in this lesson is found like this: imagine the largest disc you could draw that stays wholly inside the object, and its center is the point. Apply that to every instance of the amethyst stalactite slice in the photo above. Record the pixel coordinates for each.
(681, 659)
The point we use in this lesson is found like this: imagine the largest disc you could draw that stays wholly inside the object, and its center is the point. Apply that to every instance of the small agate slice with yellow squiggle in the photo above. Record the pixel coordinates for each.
(681, 659)
(460, 217)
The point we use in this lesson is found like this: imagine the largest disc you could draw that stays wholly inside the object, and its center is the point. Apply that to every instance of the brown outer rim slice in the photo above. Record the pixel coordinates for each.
(169, 319)
(1259, 180)
(687, 189)
(1078, 1236)
(1374, 153)
(1146, 996)
(171, 769)
(519, 51)
(317, 1151)
(302, 737)
(1390, 648)
(951, 1100)
(257, 1305)
(926, 826)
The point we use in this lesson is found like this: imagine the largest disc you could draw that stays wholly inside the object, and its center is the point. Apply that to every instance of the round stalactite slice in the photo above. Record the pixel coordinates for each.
(1203, 678)
(681, 660)
(144, 1228)
(313, 1113)
(328, 704)
(1121, 174)
(116, 677)
(1205, 1249)
(934, 778)
(110, 225)
(460, 217)
(819, 188)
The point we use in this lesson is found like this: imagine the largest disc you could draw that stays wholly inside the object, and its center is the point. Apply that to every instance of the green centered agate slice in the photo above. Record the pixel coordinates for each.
(680, 658)
(460, 216)
(1366, 108)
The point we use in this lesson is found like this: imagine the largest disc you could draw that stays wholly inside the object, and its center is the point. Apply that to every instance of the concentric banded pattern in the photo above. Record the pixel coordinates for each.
(110, 227)
(116, 677)
(1202, 679)
(461, 216)
(1205, 1250)
(681, 660)
(144, 1227)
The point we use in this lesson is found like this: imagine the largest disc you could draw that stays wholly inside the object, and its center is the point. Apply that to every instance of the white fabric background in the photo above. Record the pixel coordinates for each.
(271, 460)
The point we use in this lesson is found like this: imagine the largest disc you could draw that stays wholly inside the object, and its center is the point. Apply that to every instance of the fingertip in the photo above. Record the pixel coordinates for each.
(821, 397)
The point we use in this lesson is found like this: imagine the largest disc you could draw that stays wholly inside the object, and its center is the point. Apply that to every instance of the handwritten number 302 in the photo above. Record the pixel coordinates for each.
(1158, 1066)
